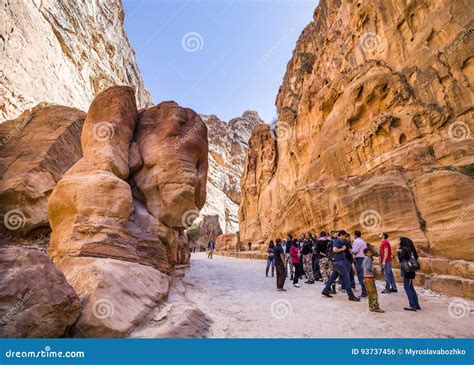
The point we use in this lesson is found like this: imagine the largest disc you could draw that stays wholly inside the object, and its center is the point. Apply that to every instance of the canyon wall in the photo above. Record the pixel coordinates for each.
(374, 133)
(227, 149)
(68, 50)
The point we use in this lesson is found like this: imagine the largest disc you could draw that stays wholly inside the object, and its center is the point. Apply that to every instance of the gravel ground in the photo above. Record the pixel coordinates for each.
(242, 302)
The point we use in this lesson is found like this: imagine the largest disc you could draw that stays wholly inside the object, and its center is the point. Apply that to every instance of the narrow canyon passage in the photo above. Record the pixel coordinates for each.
(242, 302)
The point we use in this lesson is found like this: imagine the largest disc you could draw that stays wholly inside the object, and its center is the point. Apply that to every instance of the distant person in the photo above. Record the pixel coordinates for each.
(359, 255)
(340, 269)
(211, 246)
(386, 262)
(288, 262)
(296, 261)
(279, 255)
(405, 252)
(369, 278)
(250, 246)
(270, 258)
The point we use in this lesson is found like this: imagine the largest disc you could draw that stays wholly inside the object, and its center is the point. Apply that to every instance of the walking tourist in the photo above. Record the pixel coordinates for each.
(211, 246)
(386, 261)
(296, 261)
(250, 246)
(339, 268)
(279, 255)
(359, 255)
(407, 252)
(368, 274)
(270, 258)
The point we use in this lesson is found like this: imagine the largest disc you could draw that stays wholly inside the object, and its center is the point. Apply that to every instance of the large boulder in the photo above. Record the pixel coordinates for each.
(118, 215)
(35, 298)
(36, 149)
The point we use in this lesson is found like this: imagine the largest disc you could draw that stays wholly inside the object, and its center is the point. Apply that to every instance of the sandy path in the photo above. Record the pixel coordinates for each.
(242, 302)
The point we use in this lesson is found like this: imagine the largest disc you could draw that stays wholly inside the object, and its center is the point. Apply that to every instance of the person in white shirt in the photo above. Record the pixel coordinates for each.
(358, 251)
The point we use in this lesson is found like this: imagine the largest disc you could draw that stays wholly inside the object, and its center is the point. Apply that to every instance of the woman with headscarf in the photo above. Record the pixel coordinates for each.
(405, 252)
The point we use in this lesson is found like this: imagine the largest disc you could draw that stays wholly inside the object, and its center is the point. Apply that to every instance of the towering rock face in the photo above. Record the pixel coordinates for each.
(69, 50)
(227, 149)
(374, 130)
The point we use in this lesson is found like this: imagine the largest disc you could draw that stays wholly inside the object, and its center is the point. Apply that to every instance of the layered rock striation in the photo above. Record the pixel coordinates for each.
(69, 50)
(227, 149)
(374, 132)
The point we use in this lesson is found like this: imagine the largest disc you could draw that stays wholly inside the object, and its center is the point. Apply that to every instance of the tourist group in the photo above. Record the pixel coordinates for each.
(336, 258)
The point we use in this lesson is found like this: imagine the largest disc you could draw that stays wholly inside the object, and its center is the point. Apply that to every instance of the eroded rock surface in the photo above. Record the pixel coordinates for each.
(374, 131)
(35, 298)
(69, 50)
(227, 149)
(117, 234)
(36, 149)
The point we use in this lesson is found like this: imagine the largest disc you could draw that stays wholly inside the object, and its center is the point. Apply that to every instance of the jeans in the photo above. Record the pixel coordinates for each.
(389, 278)
(411, 293)
(350, 270)
(211, 252)
(360, 274)
(298, 272)
(280, 269)
(270, 262)
(340, 269)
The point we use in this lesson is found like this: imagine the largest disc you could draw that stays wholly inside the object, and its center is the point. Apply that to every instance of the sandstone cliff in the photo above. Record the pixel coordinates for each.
(69, 50)
(374, 133)
(227, 149)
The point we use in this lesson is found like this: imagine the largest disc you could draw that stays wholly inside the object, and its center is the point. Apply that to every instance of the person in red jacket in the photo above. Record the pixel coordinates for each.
(296, 261)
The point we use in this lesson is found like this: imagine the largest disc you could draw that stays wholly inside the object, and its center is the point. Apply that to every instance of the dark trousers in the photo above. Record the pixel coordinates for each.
(317, 273)
(360, 274)
(411, 293)
(340, 269)
(281, 275)
(350, 270)
(298, 272)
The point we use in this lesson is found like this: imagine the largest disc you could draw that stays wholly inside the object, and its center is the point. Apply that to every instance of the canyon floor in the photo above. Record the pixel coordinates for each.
(242, 302)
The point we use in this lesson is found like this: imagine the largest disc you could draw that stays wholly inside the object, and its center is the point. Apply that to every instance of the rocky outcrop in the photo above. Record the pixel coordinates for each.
(228, 242)
(35, 298)
(69, 50)
(207, 229)
(118, 215)
(36, 149)
(374, 129)
(227, 149)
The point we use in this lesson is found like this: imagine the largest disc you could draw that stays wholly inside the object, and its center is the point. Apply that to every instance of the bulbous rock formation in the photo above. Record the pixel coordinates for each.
(374, 133)
(111, 225)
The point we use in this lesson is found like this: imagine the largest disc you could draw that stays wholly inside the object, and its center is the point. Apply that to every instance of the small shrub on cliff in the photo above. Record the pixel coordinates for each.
(192, 233)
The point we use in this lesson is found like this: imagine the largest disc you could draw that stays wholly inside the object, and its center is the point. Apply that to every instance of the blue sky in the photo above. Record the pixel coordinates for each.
(217, 57)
